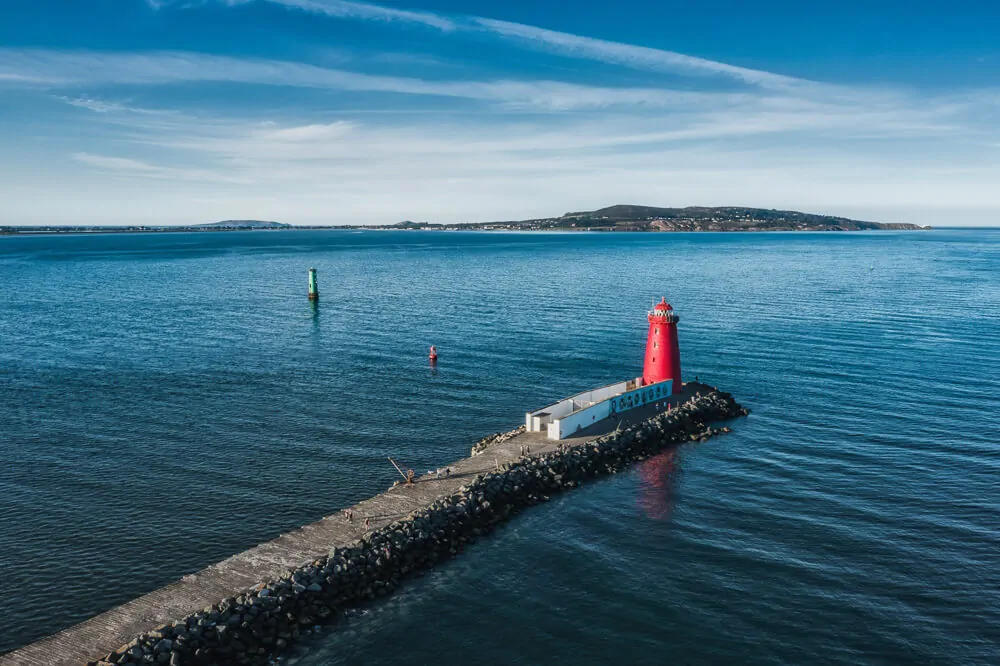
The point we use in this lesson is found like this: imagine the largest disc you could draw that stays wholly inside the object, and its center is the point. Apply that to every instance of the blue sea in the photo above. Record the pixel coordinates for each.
(167, 400)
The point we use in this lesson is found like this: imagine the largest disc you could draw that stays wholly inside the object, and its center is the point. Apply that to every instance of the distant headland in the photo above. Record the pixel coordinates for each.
(242, 224)
(613, 218)
(624, 217)
(224, 225)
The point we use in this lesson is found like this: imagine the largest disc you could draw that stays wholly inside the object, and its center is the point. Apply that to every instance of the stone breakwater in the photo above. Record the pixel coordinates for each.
(495, 439)
(252, 627)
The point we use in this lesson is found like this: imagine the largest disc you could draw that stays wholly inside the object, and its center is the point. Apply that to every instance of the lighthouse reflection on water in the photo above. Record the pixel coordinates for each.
(659, 477)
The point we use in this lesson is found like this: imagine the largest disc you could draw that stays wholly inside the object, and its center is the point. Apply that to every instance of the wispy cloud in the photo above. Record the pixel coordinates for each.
(88, 68)
(363, 10)
(96, 105)
(628, 55)
(346, 9)
(446, 172)
(310, 133)
(136, 168)
(116, 163)
(551, 41)
(310, 154)
(104, 106)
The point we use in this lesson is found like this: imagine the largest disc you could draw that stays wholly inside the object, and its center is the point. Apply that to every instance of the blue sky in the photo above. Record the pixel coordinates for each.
(334, 111)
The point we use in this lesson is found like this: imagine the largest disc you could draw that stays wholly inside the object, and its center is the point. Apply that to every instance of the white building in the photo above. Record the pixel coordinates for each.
(572, 414)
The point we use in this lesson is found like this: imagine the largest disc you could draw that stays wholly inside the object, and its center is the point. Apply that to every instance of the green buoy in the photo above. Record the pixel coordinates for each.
(313, 287)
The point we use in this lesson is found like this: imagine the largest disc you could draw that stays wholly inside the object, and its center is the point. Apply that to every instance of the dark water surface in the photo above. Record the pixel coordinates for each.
(167, 400)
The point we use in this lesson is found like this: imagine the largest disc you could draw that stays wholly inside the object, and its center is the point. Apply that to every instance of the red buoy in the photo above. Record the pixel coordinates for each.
(663, 354)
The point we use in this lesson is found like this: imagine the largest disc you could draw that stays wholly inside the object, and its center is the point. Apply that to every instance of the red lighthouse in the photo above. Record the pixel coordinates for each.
(663, 354)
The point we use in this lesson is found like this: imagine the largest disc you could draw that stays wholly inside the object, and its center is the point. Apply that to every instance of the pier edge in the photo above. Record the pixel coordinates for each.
(255, 625)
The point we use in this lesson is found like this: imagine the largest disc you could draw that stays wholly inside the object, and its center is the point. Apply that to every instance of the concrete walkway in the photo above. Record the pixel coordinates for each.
(101, 634)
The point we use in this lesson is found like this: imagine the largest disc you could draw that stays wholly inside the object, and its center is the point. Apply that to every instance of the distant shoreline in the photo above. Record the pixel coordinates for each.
(613, 219)
(30, 231)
